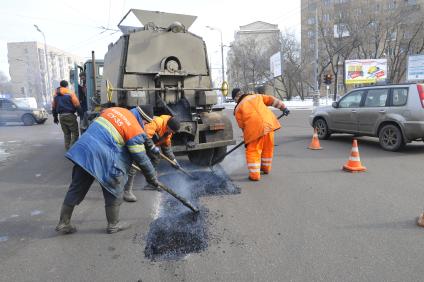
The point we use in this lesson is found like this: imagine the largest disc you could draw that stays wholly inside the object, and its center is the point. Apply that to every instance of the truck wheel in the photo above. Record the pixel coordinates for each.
(28, 120)
(390, 138)
(218, 154)
(201, 157)
(207, 157)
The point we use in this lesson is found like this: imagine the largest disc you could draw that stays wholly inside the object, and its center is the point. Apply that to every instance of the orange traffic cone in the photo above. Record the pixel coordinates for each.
(420, 221)
(354, 162)
(315, 142)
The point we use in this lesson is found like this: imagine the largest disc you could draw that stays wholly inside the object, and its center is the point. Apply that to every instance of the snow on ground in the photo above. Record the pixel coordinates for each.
(294, 104)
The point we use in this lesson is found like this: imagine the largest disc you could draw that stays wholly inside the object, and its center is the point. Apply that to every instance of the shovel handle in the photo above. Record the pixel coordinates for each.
(183, 200)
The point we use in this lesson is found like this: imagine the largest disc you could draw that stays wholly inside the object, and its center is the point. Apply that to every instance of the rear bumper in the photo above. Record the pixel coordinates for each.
(414, 130)
(203, 146)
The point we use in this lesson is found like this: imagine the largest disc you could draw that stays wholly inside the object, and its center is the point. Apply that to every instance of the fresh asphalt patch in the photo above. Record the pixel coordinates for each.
(177, 231)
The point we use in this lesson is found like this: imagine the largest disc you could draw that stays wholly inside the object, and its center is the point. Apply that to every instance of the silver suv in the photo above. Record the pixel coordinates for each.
(17, 111)
(393, 113)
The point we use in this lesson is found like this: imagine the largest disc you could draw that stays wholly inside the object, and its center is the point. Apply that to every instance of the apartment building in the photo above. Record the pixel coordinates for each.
(28, 71)
(360, 29)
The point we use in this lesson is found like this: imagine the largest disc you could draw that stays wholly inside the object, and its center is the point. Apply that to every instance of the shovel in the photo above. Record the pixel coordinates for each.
(238, 145)
(184, 201)
(178, 167)
(149, 119)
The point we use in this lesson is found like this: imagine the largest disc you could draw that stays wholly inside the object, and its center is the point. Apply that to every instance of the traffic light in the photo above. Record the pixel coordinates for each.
(328, 79)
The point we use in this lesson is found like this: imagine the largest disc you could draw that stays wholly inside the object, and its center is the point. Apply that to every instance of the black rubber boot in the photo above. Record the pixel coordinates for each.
(113, 224)
(64, 226)
(128, 192)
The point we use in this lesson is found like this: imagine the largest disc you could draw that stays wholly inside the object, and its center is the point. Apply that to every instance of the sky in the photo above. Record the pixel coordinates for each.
(76, 26)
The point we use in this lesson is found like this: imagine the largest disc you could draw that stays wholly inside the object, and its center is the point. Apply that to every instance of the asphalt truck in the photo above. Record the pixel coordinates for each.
(163, 68)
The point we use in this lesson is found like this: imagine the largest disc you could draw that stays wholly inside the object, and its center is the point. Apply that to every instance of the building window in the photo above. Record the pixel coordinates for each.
(411, 2)
(311, 34)
(392, 4)
(341, 30)
(326, 2)
(326, 17)
(311, 20)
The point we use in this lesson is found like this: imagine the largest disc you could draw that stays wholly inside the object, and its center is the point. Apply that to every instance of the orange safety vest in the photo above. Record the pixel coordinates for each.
(159, 126)
(254, 117)
(124, 122)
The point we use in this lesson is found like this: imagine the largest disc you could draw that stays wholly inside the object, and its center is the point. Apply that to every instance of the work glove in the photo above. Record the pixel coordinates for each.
(285, 111)
(151, 147)
(55, 120)
(155, 150)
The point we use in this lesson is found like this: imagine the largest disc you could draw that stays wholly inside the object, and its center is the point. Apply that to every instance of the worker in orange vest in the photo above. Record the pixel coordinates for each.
(258, 124)
(105, 152)
(159, 132)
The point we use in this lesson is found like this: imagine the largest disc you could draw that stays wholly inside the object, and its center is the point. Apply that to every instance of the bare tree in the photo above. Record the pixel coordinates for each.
(294, 76)
(248, 63)
(392, 32)
(5, 84)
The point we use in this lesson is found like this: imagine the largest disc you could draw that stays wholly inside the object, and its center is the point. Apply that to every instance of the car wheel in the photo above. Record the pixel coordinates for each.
(391, 138)
(28, 120)
(322, 128)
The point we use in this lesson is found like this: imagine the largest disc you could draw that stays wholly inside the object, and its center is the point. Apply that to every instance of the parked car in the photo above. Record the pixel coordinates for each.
(18, 111)
(393, 113)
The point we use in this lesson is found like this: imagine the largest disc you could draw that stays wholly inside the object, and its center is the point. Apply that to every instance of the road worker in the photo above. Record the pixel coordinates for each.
(159, 132)
(105, 153)
(258, 124)
(65, 104)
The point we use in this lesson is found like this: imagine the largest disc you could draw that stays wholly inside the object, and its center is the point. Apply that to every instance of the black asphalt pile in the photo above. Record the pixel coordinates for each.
(177, 231)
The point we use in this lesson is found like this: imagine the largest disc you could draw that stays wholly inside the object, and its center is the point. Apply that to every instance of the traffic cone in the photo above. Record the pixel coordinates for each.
(354, 162)
(420, 221)
(315, 142)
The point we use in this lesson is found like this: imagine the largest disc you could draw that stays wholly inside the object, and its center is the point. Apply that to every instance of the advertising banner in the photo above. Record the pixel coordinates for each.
(415, 68)
(365, 71)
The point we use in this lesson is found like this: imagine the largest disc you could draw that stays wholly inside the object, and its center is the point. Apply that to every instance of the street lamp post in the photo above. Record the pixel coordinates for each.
(47, 63)
(222, 51)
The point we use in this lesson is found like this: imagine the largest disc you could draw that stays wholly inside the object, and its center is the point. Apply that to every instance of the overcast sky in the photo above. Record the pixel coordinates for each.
(74, 26)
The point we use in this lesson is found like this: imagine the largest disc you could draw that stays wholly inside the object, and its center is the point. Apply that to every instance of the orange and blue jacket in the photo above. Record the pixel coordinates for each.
(109, 146)
(65, 101)
(254, 117)
(157, 130)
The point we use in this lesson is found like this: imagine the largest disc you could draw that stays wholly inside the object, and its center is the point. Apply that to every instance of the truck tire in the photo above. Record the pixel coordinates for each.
(207, 157)
(28, 120)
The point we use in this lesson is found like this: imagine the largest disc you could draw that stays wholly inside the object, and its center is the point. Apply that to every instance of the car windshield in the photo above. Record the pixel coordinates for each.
(24, 104)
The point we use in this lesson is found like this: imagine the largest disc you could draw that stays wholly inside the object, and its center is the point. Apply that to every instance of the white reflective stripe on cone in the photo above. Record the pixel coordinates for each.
(254, 170)
(355, 159)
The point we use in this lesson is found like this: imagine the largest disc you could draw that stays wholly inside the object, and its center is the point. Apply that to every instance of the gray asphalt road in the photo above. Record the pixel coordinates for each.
(306, 221)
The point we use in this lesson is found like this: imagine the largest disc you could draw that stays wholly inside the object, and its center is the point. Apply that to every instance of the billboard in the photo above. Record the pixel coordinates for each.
(275, 64)
(365, 71)
(415, 68)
